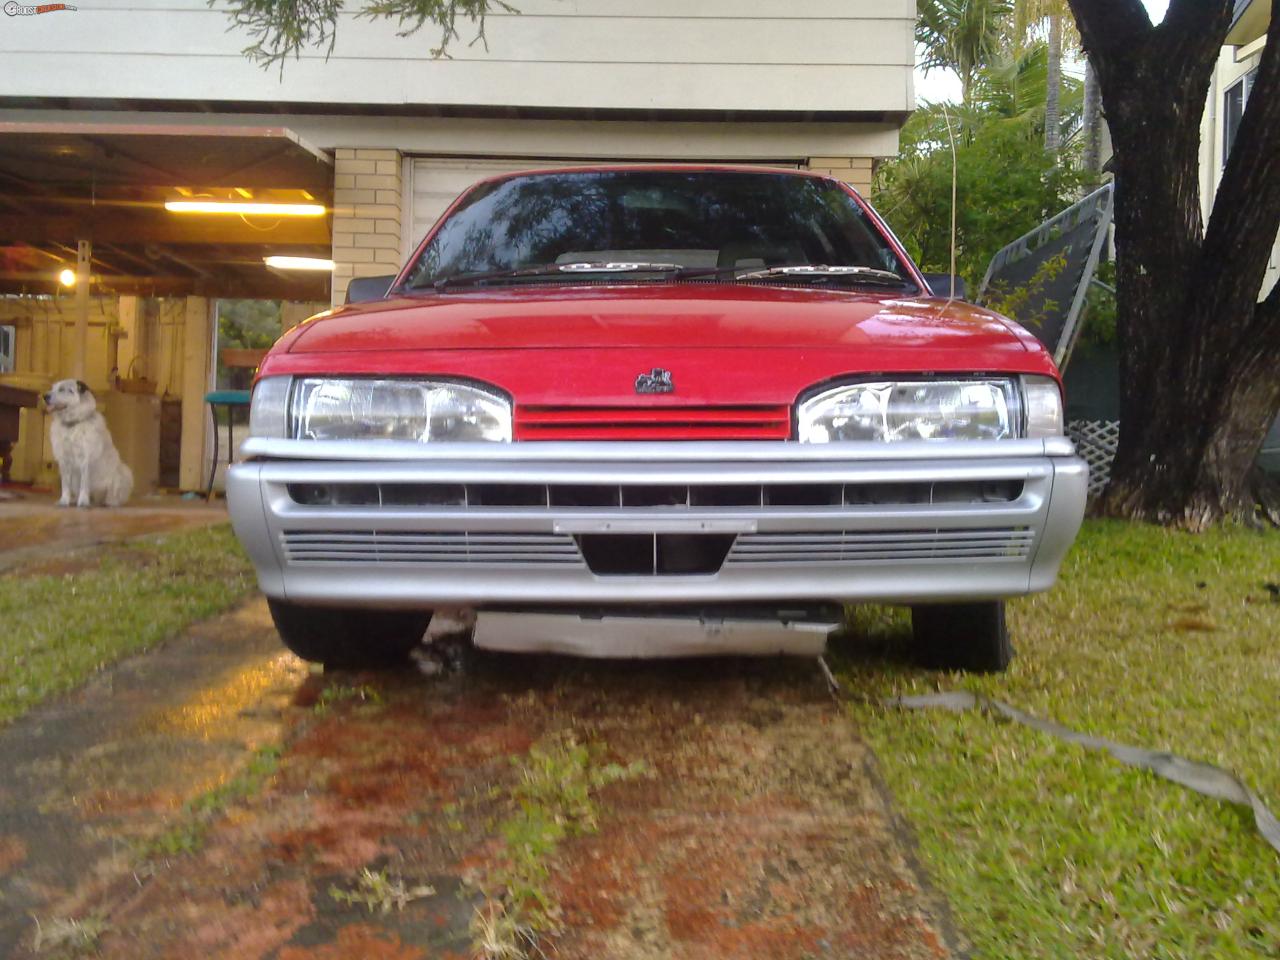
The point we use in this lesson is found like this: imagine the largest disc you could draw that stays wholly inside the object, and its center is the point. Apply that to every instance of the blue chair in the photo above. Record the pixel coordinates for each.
(229, 399)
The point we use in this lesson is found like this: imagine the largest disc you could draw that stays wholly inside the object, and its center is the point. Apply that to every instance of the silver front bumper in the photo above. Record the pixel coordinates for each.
(383, 555)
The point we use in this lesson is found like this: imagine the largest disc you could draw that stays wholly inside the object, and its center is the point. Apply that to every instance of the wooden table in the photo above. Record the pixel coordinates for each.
(12, 400)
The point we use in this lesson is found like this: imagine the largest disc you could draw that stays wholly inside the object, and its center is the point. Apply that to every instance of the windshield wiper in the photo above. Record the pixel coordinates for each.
(822, 271)
(578, 268)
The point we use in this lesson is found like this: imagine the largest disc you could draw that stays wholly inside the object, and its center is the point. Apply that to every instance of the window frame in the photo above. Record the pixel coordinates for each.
(1243, 88)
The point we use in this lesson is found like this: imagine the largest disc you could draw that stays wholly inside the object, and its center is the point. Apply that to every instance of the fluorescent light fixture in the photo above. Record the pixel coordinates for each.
(67, 277)
(298, 263)
(246, 208)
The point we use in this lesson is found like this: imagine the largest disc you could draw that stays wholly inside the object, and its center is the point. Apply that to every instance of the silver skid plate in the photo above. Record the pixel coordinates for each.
(644, 637)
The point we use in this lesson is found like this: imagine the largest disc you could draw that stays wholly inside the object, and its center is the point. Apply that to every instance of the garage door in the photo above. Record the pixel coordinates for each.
(435, 183)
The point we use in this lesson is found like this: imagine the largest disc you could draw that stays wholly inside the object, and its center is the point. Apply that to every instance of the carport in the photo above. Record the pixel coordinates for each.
(116, 242)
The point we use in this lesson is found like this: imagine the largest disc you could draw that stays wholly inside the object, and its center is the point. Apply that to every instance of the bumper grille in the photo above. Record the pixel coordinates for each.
(881, 546)
(747, 422)
(650, 555)
(688, 496)
(386, 547)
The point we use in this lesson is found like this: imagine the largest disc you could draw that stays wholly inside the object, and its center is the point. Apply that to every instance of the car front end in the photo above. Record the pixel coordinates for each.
(594, 445)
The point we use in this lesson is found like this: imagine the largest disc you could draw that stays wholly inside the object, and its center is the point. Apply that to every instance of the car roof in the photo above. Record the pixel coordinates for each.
(658, 167)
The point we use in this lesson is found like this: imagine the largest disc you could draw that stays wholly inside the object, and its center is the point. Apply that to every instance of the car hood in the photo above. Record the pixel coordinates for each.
(661, 316)
(723, 343)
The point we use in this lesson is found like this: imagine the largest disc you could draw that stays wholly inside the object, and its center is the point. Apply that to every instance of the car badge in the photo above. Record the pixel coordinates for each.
(656, 380)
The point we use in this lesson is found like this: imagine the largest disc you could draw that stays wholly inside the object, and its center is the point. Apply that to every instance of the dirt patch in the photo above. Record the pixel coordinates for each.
(762, 836)
(12, 852)
(358, 940)
(757, 829)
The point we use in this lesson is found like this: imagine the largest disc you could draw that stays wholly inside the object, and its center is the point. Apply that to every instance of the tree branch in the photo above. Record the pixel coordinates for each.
(284, 30)
(1110, 25)
(1195, 18)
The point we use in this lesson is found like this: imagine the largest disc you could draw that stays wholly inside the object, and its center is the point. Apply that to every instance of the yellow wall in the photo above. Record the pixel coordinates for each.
(176, 338)
(855, 171)
(366, 215)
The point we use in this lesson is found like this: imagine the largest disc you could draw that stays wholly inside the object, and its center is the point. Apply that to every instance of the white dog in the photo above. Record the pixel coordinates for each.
(92, 472)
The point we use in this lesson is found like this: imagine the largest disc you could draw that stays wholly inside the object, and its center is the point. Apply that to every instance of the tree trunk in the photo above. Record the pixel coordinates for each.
(1200, 382)
(1053, 97)
(1092, 127)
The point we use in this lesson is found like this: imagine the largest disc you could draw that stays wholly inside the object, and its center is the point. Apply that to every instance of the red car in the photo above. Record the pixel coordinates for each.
(715, 396)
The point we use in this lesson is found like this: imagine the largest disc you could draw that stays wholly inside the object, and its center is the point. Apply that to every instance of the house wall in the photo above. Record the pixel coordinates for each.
(367, 211)
(840, 55)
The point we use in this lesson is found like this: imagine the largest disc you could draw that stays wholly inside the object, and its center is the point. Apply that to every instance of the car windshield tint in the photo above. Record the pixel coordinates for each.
(695, 219)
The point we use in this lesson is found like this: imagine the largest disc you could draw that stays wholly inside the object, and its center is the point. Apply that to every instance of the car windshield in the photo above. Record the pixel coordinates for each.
(698, 220)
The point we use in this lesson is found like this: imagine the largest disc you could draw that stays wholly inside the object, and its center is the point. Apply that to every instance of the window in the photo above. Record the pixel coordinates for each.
(8, 347)
(1234, 101)
(693, 218)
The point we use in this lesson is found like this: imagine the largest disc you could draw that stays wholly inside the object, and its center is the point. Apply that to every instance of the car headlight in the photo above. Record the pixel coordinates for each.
(894, 410)
(330, 408)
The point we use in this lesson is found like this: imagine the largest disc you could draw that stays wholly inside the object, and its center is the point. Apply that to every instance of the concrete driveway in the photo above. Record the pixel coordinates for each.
(758, 828)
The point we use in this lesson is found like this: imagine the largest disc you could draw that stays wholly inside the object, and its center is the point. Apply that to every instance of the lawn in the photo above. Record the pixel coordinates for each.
(58, 628)
(1154, 638)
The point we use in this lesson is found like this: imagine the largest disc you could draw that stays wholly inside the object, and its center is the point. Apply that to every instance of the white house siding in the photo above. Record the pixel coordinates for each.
(812, 55)
(1234, 64)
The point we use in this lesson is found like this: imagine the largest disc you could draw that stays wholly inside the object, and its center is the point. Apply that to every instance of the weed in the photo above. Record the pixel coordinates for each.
(378, 892)
(69, 938)
(197, 816)
(497, 933)
(341, 692)
(554, 798)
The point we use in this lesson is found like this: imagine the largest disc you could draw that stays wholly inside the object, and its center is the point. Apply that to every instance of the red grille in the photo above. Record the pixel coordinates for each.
(755, 422)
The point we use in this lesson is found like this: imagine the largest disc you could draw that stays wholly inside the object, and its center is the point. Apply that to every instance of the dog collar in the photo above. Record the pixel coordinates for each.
(76, 423)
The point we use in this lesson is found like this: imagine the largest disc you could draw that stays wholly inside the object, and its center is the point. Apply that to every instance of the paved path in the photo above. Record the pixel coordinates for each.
(33, 529)
(763, 830)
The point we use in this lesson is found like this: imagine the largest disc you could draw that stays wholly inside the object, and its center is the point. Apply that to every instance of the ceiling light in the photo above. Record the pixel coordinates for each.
(67, 277)
(298, 263)
(245, 208)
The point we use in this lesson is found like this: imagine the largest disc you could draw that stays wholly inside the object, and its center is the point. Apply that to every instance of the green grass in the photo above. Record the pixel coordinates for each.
(55, 631)
(1154, 638)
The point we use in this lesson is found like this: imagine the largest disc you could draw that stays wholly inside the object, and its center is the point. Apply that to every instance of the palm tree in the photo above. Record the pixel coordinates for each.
(1092, 123)
(961, 35)
(1013, 88)
(1029, 16)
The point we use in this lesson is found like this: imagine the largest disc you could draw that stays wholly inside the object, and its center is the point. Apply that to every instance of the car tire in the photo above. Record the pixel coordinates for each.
(346, 638)
(962, 636)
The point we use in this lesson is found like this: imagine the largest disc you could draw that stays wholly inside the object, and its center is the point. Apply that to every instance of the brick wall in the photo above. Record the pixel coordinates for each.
(855, 171)
(366, 215)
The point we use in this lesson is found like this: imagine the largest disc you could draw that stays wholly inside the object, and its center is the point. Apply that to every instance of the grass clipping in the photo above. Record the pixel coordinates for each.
(554, 799)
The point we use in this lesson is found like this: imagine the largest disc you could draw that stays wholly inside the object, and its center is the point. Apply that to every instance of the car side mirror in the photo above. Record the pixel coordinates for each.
(945, 285)
(362, 289)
